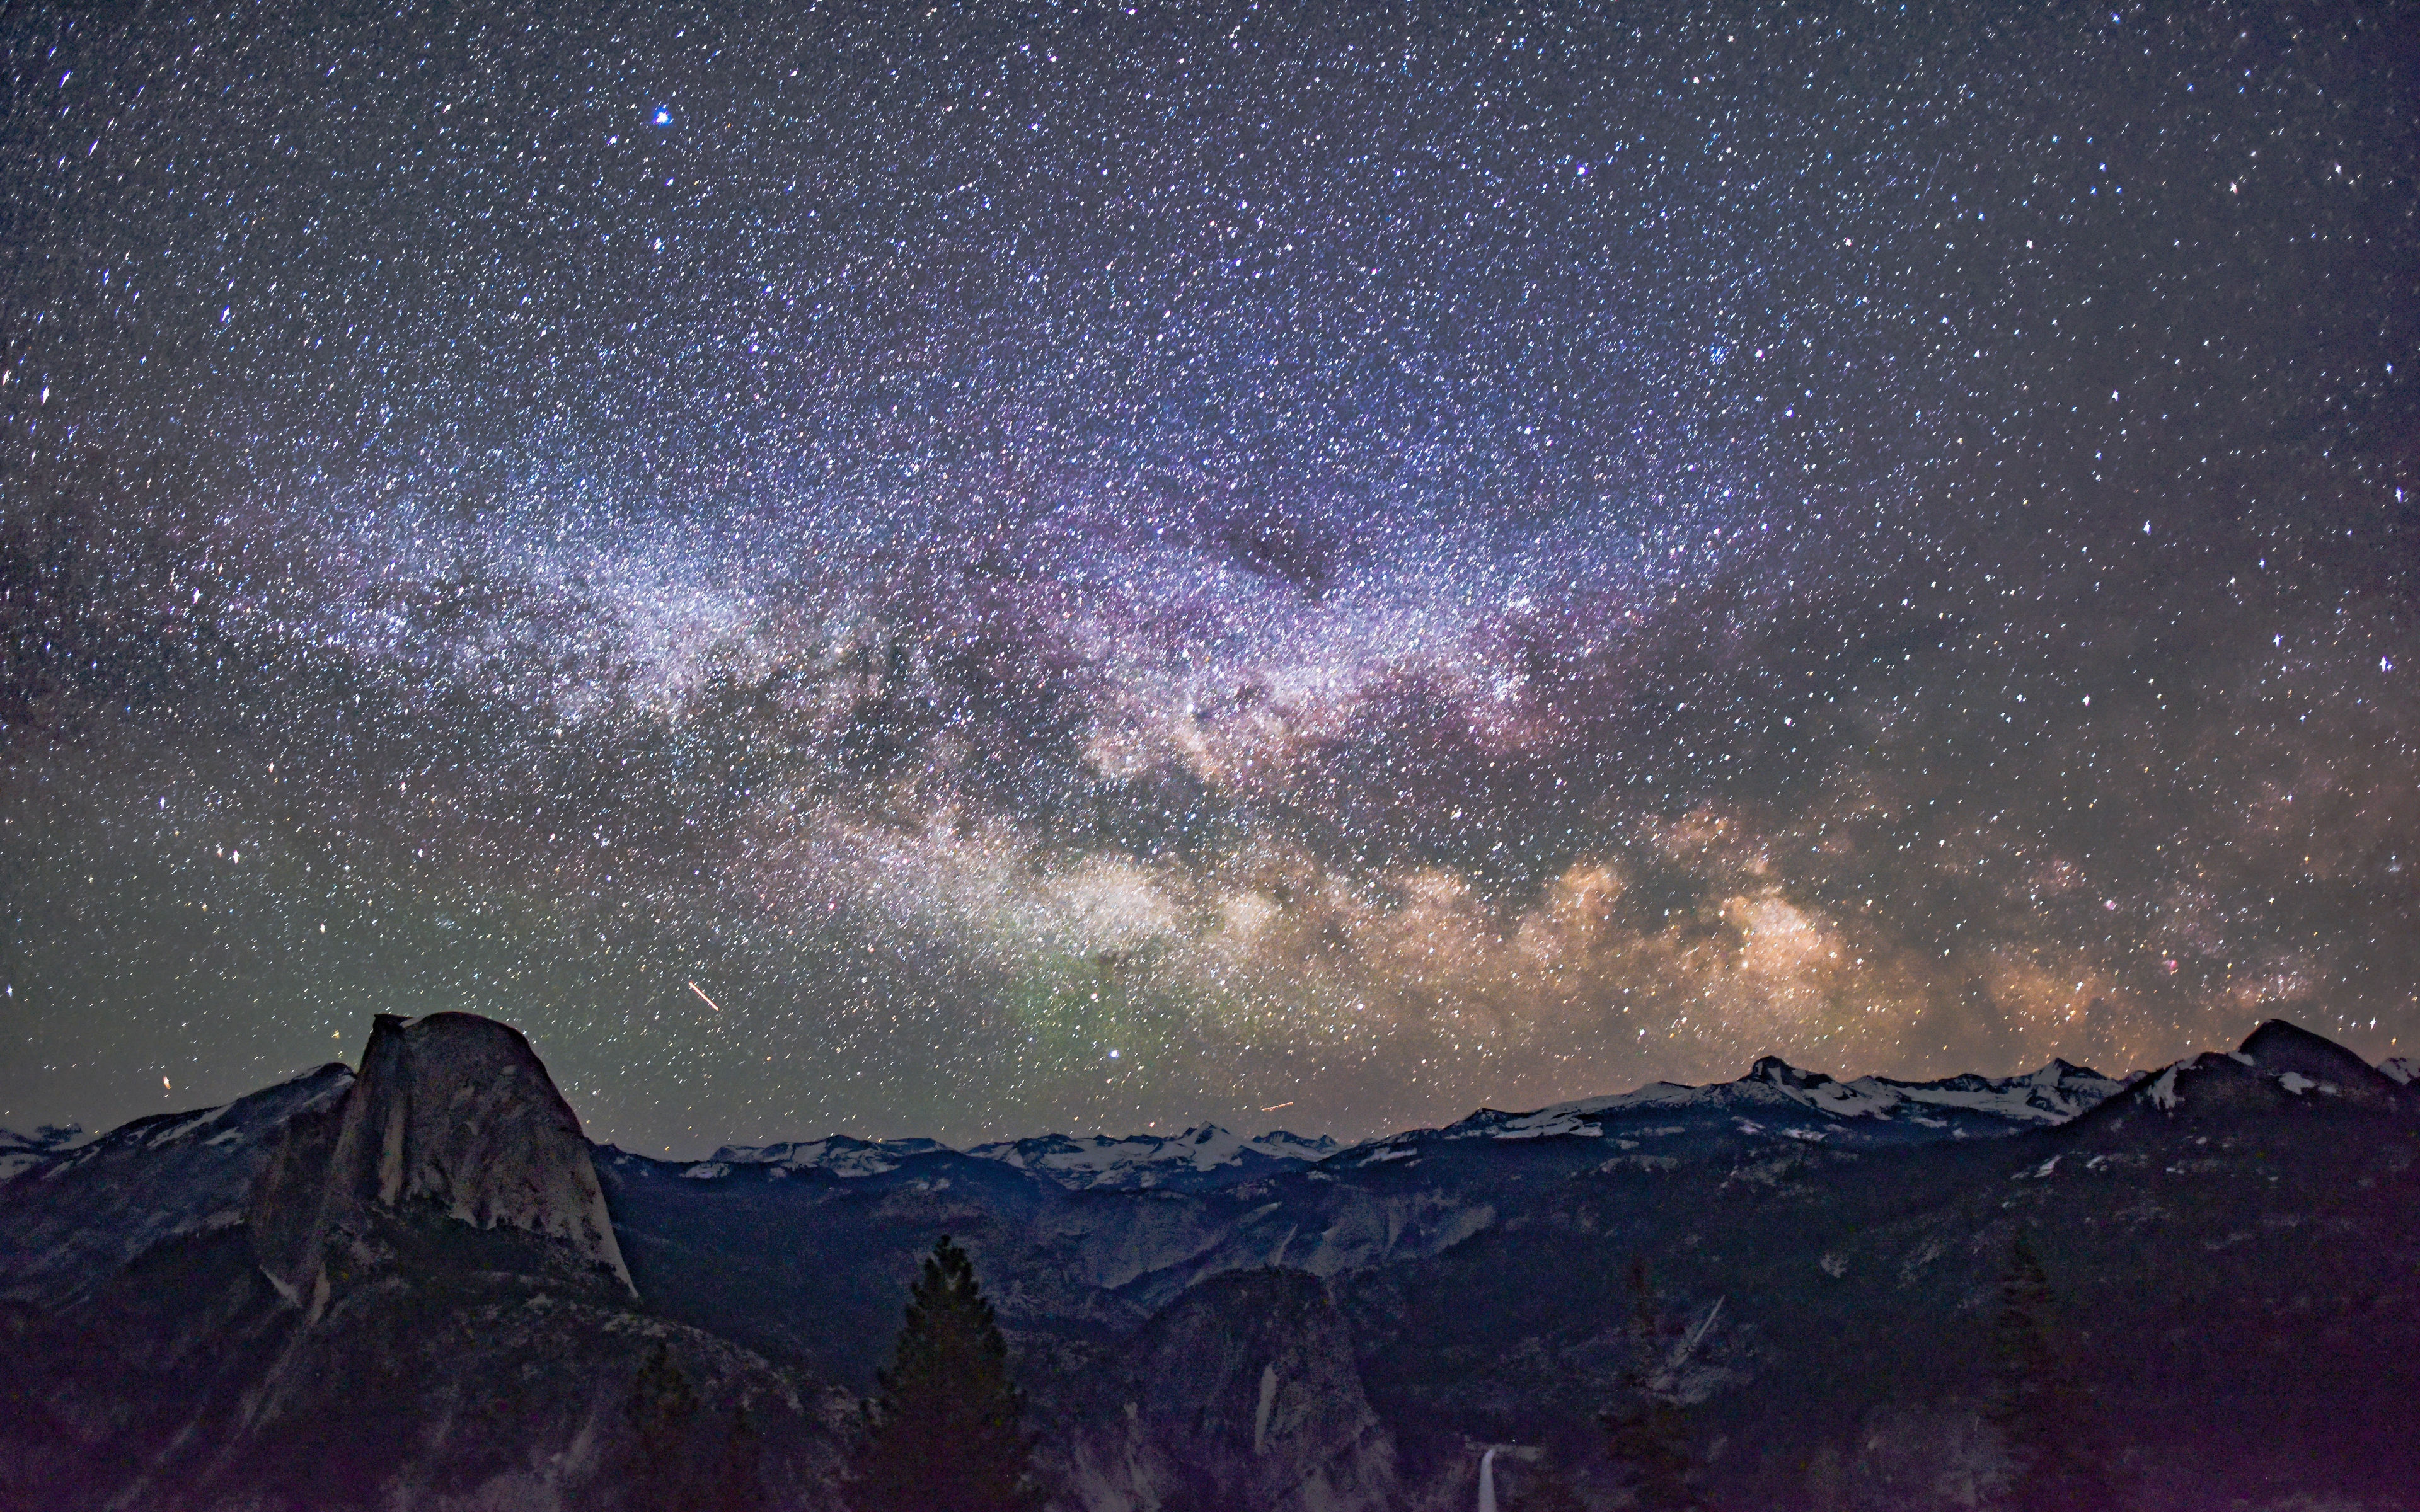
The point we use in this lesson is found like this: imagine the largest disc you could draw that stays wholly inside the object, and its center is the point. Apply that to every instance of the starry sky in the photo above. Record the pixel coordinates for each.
(1093, 567)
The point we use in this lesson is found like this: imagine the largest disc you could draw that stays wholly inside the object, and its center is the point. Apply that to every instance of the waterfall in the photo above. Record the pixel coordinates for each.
(1268, 1399)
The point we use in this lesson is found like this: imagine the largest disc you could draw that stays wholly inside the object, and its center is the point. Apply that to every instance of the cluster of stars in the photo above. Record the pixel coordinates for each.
(922, 574)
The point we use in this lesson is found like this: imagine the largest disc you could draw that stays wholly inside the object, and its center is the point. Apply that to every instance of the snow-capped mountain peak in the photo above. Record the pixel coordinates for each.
(1807, 1103)
(2278, 1066)
(1780, 1100)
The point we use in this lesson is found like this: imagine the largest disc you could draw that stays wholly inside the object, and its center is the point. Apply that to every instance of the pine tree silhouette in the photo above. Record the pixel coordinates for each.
(2041, 1406)
(946, 1435)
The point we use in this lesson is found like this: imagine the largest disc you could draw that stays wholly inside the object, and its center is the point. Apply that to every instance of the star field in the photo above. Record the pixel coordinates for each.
(968, 571)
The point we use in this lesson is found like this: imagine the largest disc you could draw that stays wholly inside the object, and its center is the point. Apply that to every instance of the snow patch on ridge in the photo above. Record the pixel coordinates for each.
(1139, 1161)
(2163, 1093)
(1131, 1163)
(20, 1152)
(840, 1154)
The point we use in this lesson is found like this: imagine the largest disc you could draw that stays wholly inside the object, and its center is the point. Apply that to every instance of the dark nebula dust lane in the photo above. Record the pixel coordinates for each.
(1099, 567)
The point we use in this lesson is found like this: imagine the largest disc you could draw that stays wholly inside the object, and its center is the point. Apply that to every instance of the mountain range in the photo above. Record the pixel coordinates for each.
(417, 1284)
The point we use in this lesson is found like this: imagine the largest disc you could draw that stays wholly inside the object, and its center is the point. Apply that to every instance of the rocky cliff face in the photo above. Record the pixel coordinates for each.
(467, 1333)
(1241, 1395)
(74, 1216)
(451, 1114)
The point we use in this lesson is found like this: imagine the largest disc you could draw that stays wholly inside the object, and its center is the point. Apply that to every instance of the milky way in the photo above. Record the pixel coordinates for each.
(1098, 567)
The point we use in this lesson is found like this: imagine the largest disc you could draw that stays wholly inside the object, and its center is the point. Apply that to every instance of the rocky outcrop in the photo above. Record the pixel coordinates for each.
(1243, 1394)
(466, 1335)
(457, 1387)
(2321, 1065)
(2279, 1070)
(452, 1114)
(71, 1219)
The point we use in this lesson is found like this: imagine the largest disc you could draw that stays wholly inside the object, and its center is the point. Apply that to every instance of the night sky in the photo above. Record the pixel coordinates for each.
(1098, 567)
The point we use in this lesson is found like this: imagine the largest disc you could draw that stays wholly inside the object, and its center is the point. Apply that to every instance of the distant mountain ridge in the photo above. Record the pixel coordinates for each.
(1804, 1105)
(421, 1285)
(1208, 1156)
(1196, 1159)
(1204, 1155)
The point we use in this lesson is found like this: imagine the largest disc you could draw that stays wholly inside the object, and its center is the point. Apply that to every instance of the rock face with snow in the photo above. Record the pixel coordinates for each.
(452, 1114)
(20, 1152)
(1774, 1097)
(2279, 1069)
(75, 1212)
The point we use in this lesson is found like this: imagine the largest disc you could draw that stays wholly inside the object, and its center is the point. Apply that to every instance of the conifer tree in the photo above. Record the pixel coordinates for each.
(2042, 1410)
(946, 1435)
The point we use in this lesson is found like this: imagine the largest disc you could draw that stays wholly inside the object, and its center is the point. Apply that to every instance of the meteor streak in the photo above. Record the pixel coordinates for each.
(703, 998)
